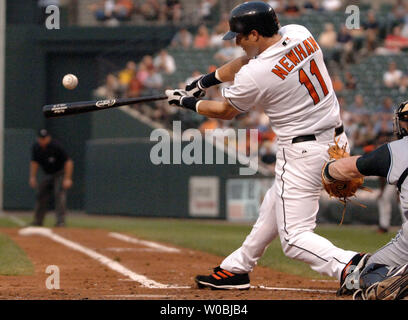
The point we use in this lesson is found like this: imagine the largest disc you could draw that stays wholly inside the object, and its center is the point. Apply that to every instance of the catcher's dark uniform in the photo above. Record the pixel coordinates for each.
(391, 161)
(385, 274)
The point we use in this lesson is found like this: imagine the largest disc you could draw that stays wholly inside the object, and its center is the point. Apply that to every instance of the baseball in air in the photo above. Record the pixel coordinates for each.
(70, 81)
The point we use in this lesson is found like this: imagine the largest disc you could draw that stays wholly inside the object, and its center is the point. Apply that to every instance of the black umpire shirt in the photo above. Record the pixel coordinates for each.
(51, 159)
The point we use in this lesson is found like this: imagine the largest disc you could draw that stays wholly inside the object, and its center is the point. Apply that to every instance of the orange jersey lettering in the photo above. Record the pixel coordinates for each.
(280, 72)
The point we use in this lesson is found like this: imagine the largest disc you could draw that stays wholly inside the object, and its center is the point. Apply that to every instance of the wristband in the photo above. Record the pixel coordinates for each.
(326, 172)
(208, 80)
(189, 103)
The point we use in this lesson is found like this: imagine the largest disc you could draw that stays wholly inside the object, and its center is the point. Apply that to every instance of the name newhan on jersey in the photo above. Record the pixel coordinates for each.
(295, 56)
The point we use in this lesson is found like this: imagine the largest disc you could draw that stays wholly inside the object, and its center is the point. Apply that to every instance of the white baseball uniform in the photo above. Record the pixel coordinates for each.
(290, 81)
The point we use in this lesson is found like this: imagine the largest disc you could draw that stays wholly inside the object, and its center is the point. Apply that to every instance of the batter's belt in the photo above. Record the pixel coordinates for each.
(312, 137)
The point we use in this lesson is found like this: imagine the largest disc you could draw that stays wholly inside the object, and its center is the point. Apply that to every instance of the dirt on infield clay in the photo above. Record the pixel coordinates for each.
(83, 277)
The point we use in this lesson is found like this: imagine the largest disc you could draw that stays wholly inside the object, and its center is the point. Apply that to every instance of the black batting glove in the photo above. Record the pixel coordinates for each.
(196, 89)
(180, 98)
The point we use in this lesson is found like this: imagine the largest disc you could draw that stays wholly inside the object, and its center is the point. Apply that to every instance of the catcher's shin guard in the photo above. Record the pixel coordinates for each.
(381, 282)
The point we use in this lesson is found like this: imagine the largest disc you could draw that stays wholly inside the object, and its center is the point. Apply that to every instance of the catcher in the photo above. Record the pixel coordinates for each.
(384, 275)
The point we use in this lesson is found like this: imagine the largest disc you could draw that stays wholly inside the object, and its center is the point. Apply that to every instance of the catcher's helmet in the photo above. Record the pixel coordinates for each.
(249, 16)
(401, 114)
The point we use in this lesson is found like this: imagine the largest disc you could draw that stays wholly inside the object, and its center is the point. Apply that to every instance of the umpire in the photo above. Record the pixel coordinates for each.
(48, 154)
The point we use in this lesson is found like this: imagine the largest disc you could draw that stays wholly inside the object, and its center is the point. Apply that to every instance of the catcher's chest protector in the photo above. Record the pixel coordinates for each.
(399, 164)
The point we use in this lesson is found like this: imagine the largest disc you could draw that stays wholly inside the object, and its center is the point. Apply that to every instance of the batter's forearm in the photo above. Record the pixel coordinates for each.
(216, 109)
(344, 169)
(227, 72)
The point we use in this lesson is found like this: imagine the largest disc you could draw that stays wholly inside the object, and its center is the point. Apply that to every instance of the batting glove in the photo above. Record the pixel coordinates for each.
(180, 98)
(196, 88)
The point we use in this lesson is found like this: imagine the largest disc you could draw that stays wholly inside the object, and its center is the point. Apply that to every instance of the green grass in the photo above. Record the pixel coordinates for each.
(221, 238)
(13, 260)
(6, 223)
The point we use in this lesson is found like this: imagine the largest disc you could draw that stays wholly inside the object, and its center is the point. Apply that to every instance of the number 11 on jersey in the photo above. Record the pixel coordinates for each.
(305, 80)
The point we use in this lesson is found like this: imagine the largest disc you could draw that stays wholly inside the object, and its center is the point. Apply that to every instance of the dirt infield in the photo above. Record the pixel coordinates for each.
(83, 277)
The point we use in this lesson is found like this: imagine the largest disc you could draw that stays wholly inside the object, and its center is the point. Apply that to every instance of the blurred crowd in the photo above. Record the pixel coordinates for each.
(175, 11)
(348, 46)
(112, 12)
(367, 126)
(137, 79)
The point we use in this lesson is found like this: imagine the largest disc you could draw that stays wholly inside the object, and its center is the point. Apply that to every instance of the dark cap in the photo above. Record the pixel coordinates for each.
(255, 15)
(42, 133)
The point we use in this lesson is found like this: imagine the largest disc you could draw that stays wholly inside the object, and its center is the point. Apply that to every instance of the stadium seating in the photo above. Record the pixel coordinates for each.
(187, 61)
(368, 71)
(369, 74)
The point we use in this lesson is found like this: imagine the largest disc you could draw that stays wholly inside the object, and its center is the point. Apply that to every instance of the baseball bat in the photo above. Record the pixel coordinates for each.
(72, 108)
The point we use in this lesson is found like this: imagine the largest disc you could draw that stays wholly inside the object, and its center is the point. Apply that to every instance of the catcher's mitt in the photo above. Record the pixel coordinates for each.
(381, 282)
(342, 190)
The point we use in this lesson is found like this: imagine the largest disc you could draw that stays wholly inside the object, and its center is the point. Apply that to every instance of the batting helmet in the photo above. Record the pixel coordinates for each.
(401, 114)
(249, 16)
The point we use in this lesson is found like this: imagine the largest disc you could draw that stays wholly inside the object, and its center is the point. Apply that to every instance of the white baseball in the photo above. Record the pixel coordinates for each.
(70, 81)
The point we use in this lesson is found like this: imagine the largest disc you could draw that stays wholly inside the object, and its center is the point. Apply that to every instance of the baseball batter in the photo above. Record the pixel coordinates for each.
(283, 72)
(384, 275)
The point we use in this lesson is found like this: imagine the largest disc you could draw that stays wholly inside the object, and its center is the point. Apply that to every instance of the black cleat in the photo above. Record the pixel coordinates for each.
(223, 280)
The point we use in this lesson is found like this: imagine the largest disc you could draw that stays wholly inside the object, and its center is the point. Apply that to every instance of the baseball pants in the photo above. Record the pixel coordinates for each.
(50, 185)
(289, 211)
(395, 253)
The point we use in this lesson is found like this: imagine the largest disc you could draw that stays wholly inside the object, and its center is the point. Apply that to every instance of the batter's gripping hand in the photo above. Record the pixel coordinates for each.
(175, 97)
(196, 89)
(180, 98)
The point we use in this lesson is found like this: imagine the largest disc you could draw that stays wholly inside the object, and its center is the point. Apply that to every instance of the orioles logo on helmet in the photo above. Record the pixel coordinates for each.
(401, 114)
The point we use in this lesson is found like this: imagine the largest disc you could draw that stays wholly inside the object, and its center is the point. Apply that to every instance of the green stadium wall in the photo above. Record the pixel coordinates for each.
(36, 61)
(121, 179)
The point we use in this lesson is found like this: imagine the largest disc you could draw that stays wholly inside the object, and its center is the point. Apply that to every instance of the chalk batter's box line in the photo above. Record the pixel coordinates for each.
(114, 265)
(132, 276)
(265, 288)
(149, 244)
(294, 289)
